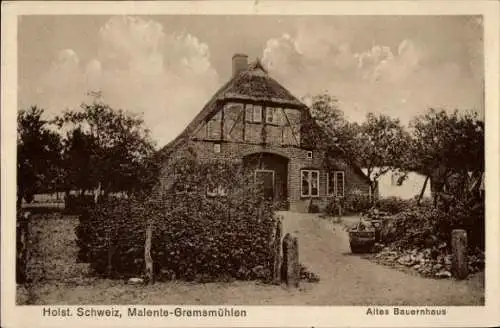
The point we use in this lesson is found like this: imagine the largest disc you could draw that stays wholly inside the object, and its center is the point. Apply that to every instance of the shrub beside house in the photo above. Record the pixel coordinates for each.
(196, 235)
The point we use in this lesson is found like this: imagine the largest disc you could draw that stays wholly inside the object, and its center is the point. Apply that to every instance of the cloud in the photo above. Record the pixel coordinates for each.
(402, 80)
(140, 67)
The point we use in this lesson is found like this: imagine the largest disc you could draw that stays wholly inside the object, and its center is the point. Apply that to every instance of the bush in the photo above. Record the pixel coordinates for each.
(393, 205)
(355, 203)
(83, 236)
(314, 208)
(332, 207)
(75, 204)
(426, 225)
(410, 227)
(195, 237)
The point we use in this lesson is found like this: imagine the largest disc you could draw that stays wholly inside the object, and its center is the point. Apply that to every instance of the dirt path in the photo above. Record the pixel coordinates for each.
(347, 279)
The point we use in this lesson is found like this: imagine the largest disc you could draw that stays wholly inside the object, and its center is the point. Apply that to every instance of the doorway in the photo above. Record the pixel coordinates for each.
(265, 178)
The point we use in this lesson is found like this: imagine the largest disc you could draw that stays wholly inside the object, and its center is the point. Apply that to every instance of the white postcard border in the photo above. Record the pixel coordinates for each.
(298, 316)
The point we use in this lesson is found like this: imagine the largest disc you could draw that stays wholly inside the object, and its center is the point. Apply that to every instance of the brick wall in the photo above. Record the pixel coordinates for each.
(298, 160)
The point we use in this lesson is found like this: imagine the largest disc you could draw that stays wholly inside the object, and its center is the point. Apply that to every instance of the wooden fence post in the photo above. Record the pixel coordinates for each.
(290, 265)
(148, 260)
(23, 235)
(277, 251)
(293, 264)
(460, 265)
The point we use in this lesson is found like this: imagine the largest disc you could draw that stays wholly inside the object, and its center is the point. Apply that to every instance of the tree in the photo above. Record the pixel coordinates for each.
(447, 147)
(38, 154)
(113, 148)
(78, 157)
(379, 144)
(340, 133)
(382, 146)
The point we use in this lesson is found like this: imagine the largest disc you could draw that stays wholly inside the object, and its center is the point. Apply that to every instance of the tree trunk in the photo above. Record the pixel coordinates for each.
(423, 190)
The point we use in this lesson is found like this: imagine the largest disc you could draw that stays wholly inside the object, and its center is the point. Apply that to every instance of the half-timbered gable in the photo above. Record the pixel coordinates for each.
(255, 121)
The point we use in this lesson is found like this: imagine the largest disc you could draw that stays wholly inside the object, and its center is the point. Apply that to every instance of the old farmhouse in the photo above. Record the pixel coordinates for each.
(255, 121)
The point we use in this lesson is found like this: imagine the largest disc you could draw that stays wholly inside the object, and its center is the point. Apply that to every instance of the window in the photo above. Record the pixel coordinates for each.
(310, 183)
(257, 114)
(277, 116)
(273, 116)
(335, 183)
(253, 113)
(309, 154)
(216, 148)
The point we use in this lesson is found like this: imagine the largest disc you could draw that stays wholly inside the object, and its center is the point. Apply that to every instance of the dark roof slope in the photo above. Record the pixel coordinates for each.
(256, 84)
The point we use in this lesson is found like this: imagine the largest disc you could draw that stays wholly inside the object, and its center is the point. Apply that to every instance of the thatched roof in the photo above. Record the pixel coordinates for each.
(253, 85)
(256, 84)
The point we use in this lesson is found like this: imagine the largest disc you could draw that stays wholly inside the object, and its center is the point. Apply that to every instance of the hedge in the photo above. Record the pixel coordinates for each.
(195, 237)
(417, 226)
(75, 204)
(352, 204)
(394, 205)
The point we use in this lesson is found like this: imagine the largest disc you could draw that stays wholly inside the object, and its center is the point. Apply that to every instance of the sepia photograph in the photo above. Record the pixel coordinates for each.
(249, 160)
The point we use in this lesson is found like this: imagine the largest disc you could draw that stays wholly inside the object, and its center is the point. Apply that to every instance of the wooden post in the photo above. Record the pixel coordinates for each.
(284, 261)
(148, 260)
(460, 264)
(277, 251)
(23, 236)
(290, 265)
(293, 264)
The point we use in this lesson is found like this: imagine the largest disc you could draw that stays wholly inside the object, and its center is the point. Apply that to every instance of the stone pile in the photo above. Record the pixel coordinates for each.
(427, 262)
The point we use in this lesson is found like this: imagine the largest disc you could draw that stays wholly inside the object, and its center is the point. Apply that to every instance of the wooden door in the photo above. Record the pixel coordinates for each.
(265, 178)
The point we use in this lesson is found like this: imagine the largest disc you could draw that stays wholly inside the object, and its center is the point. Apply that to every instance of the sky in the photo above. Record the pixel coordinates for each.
(166, 68)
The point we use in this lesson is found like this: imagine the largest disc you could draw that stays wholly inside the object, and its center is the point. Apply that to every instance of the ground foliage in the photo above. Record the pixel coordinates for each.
(419, 235)
(351, 204)
(393, 205)
(195, 236)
